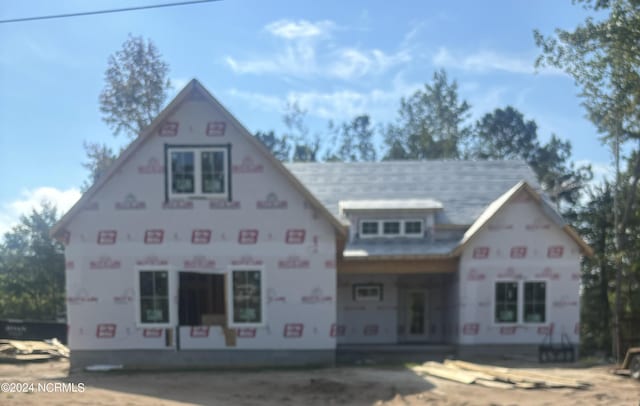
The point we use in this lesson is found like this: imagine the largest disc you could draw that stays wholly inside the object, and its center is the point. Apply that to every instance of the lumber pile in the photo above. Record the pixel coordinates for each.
(26, 351)
(495, 377)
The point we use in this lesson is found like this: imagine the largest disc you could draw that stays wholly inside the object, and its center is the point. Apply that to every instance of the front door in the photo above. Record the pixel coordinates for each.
(417, 316)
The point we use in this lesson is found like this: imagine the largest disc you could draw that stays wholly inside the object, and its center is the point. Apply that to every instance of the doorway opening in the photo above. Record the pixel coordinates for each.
(201, 299)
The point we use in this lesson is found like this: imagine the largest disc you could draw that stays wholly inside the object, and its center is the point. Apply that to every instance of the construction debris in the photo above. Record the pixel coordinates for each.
(495, 377)
(29, 351)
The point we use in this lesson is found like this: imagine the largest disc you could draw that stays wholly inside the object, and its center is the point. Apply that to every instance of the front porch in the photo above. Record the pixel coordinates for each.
(404, 309)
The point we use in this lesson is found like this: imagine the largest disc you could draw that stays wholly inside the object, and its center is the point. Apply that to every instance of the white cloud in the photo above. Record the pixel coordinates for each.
(305, 52)
(300, 29)
(344, 104)
(32, 199)
(487, 60)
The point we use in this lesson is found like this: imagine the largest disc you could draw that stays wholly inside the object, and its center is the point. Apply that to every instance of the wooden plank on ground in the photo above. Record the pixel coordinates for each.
(494, 384)
(521, 377)
(446, 373)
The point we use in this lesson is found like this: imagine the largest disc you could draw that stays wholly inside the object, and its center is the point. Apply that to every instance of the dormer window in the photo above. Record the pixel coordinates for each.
(369, 228)
(391, 228)
(413, 228)
(197, 171)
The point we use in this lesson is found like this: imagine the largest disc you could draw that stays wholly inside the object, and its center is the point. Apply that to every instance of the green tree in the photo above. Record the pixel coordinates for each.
(99, 158)
(277, 145)
(32, 269)
(305, 146)
(136, 87)
(603, 57)
(354, 141)
(431, 123)
(594, 221)
(505, 134)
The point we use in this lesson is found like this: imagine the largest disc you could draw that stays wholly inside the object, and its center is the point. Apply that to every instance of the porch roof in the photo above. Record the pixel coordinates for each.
(397, 247)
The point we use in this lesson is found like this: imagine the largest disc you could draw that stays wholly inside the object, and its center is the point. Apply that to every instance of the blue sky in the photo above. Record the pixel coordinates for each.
(336, 58)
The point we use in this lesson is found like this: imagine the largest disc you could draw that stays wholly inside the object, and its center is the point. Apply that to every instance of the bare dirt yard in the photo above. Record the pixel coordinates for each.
(373, 385)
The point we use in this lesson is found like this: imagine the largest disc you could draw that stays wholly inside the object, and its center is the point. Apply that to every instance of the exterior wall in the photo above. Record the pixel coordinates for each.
(367, 322)
(101, 274)
(519, 244)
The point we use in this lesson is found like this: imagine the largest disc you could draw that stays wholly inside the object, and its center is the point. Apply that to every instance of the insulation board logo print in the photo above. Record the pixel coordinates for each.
(555, 251)
(470, 329)
(518, 252)
(271, 202)
(154, 236)
(248, 237)
(295, 236)
(337, 330)
(106, 330)
(481, 253)
(107, 237)
(216, 128)
(153, 166)
(293, 262)
(168, 129)
(293, 330)
(200, 236)
(224, 204)
(247, 166)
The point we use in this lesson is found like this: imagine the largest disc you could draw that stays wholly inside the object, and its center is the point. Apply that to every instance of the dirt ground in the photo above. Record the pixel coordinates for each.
(372, 385)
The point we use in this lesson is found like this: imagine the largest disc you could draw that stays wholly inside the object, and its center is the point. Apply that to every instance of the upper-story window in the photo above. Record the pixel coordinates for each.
(197, 171)
(369, 228)
(391, 228)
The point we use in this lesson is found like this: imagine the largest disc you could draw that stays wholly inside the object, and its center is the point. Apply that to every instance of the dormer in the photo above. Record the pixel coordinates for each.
(390, 218)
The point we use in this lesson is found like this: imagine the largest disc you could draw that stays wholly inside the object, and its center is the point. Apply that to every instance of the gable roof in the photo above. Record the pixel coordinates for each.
(464, 188)
(193, 87)
(497, 205)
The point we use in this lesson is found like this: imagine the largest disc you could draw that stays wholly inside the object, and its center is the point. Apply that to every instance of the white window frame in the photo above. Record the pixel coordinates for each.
(520, 313)
(197, 172)
(170, 294)
(378, 298)
(263, 298)
(401, 233)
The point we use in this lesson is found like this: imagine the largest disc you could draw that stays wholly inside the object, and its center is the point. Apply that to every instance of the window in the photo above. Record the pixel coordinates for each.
(532, 301)
(369, 228)
(506, 302)
(535, 301)
(413, 227)
(247, 299)
(153, 287)
(391, 228)
(368, 292)
(197, 171)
